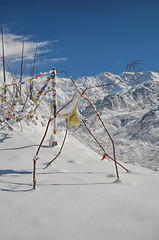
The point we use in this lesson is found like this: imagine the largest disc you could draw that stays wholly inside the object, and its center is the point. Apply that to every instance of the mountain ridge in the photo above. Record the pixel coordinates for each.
(130, 112)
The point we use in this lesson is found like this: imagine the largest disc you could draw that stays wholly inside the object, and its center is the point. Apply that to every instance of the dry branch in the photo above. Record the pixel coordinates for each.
(60, 148)
(102, 146)
(84, 96)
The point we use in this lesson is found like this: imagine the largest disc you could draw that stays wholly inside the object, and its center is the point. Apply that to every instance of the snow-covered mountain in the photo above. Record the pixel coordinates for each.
(131, 114)
(130, 111)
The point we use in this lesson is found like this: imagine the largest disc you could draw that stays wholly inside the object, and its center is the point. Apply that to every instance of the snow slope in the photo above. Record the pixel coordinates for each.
(78, 197)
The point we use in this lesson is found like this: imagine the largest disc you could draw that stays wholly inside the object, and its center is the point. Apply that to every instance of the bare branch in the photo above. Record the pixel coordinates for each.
(60, 148)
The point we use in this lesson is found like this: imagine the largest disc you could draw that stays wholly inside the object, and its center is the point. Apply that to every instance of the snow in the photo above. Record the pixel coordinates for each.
(78, 196)
(70, 108)
(131, 116)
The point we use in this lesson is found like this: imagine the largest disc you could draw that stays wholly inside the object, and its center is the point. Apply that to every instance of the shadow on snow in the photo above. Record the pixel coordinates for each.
(10, 171)
(4, 136)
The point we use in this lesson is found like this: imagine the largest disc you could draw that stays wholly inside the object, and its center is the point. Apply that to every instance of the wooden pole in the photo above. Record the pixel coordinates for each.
(34, 172)
(37, 45)
(36, 156)
(3, 59)
(32, 74)
(22, 64)
(11, 75)
(53, 140)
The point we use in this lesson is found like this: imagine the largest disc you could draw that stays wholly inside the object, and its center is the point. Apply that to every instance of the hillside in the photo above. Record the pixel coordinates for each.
(78, 196)
(129, 110)
(131, 114)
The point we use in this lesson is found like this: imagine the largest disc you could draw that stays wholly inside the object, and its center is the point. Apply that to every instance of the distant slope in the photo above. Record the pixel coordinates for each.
(131, 113)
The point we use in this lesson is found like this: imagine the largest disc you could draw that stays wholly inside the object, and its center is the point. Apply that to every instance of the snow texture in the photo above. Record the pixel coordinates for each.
(78, 196)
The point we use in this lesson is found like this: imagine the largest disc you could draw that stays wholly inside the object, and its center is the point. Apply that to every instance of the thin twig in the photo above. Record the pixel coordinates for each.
(101, 145)
(82, 95)
(60, 148)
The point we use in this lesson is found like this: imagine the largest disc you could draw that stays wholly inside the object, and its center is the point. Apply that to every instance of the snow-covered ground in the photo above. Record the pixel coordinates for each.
(79, 197)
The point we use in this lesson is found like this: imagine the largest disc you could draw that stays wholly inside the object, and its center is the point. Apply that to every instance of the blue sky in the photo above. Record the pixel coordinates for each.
(82, 37)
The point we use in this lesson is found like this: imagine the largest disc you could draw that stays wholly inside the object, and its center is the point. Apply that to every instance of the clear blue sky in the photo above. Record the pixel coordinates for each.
(91, 36)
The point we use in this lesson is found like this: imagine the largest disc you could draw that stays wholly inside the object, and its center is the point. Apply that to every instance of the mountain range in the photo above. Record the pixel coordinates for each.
(129, 109)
